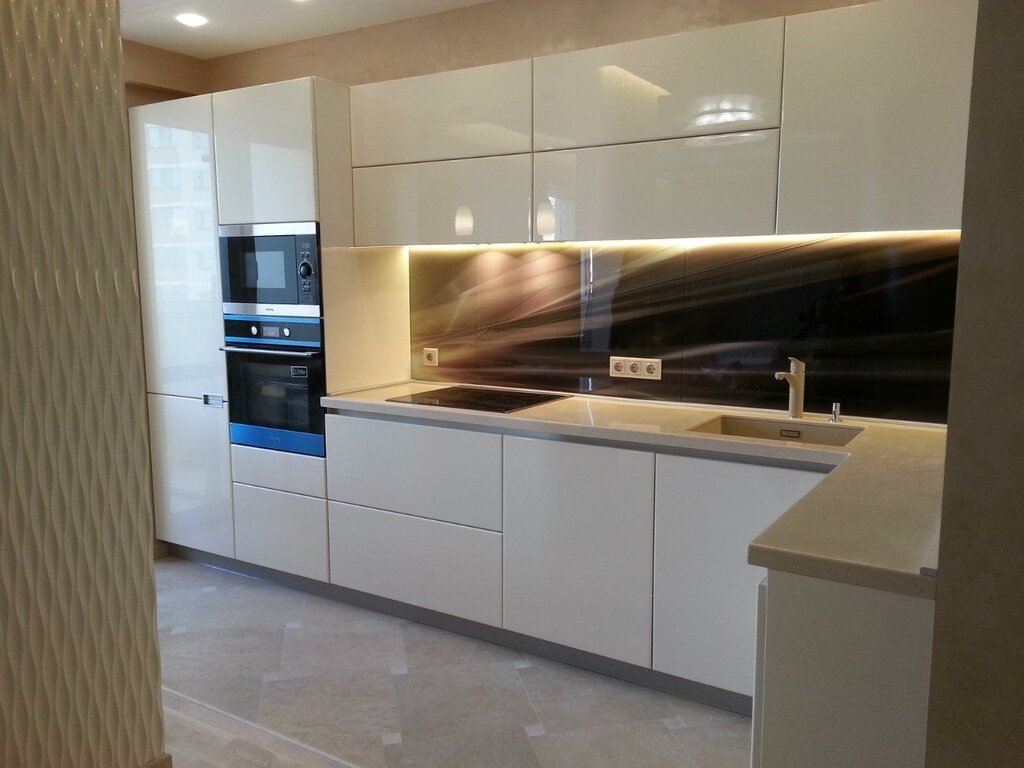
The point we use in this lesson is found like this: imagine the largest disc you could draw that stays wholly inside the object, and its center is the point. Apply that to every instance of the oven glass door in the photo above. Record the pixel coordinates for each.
(274, 400)
(259, 270)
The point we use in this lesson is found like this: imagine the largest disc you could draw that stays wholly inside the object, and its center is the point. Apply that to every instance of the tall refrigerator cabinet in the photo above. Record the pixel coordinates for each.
(179, 279)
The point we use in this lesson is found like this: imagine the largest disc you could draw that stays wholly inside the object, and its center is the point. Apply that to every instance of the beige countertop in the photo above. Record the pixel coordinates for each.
(872, 521)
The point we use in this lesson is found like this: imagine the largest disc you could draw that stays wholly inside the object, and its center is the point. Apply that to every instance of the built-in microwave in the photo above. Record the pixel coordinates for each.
(271, 269)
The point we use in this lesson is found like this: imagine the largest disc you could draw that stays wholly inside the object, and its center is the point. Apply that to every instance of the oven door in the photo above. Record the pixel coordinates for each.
(274, 399)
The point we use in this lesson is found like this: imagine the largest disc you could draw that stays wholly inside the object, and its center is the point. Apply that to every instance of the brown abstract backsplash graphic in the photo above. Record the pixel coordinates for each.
(871, 315)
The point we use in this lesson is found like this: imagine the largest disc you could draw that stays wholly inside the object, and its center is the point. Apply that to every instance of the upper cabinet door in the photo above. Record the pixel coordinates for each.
(696, 83)
(266, 153)
(463, 113)
(876, 105)
(703, 186)
(176, 226)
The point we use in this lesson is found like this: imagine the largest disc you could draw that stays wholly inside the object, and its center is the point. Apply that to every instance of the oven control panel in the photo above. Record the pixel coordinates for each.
(308, 268)
(277, 331)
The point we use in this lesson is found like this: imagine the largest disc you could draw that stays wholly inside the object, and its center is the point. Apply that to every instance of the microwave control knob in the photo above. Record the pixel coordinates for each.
(287, 332)
(254, 330)
(305, 269)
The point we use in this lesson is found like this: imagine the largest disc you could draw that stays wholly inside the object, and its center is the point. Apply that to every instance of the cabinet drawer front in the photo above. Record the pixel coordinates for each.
(485, 200)
(434, 472)
(690, 84)
(704, 186)
(280, 530)
(278, 470)
(444, 567)
(463, 113)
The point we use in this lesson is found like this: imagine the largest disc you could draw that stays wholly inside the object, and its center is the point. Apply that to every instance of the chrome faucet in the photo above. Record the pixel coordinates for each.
(795, 378)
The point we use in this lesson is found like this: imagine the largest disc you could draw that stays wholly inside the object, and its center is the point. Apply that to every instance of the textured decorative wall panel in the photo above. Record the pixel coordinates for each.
(79, 667)
(871, 315)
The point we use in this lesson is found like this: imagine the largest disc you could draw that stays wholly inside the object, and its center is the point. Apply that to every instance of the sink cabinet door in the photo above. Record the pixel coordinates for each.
(578, 546)
(705, 594)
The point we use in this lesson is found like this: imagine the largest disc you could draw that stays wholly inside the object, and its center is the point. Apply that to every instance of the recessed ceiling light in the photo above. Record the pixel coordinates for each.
(191, 19)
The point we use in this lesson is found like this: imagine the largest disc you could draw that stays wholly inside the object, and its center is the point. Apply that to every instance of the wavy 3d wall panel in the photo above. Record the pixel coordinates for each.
(79, 666)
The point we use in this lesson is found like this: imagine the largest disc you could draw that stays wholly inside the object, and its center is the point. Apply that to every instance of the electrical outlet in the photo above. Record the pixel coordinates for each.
(634, 367)
(430, 356)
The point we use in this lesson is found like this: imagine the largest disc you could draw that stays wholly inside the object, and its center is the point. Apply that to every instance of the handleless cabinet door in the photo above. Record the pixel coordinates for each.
(578, 546)
(266, 167)
(703, 186)
(876, 105)
(179, 266)
(191, 474)
(283, 531)
(484, 200)
(705, 594)
(463, 113)
(691, 84)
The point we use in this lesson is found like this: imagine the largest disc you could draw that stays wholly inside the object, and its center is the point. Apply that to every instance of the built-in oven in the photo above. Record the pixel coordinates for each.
(271, 269)
(276, 378)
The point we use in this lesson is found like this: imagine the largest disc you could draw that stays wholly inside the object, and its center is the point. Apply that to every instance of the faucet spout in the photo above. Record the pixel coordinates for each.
(795, 377)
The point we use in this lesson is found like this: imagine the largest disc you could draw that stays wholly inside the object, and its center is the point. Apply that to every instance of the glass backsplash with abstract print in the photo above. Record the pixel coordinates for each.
(871, 315)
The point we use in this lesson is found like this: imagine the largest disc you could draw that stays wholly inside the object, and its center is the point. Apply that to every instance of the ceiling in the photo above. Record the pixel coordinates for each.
(242, 25)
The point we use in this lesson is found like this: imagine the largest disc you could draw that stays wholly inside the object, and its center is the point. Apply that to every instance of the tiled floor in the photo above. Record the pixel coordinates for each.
(381, 692)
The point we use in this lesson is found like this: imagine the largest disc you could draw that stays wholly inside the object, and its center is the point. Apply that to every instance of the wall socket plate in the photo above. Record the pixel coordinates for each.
(430, 356)
(634, 367)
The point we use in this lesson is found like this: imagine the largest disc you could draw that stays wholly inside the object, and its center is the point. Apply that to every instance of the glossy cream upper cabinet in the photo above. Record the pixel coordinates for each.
(176, 231)
(283, 154)
(704, 82)
(463, 113)
(702, 186)
(481, 200)
(876, 105)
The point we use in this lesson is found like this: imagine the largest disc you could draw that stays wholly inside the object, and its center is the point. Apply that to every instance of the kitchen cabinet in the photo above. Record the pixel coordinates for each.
(453, 475)
(448, 568)
(461, 113)
(283, 155)
(483, 200)
(709, 81)
(876, 104)
(705, 595)
(283, 531)
(846, 673)
(191, 474)
(691, 187)
(291, 472)
(578, 546)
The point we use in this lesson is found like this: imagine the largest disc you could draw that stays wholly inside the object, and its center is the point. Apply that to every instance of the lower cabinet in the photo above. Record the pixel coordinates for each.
(445, 567)
(283, 531)
(579, 546)
(191, 474)
(705, 594)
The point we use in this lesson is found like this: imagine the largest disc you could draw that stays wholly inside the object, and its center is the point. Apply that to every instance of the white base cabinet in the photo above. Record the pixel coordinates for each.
(283, 531)
(705, 594)
(191, 474)
(578, 546)
(440, 566)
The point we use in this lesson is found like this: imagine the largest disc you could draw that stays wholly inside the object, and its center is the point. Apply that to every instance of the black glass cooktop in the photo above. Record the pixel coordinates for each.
(476, 399)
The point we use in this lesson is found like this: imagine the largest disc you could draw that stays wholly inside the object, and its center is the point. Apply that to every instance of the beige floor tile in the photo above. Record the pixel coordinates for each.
(638, 745)
(694, 714)
(462, 748)
(369, 646)
(431, 648)
(717, 745)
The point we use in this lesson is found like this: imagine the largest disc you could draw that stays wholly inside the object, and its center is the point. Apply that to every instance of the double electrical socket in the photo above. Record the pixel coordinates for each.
(635, 367)
(430, 356)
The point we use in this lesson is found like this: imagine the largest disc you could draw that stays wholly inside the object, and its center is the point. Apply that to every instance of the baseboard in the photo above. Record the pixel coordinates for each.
(164, 761)
(160, 549)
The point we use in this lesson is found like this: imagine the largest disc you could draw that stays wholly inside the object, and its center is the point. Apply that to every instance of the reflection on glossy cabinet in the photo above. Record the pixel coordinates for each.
(176, 224)
(695, 187)
(191, 474)
(578, 546)
(705, 594)
(462, 113)
(283, 531)
(876, 106)
(691, 84)
(484, 200)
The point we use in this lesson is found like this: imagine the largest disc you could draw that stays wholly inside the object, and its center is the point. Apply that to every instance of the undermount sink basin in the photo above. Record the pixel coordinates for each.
(779, 429)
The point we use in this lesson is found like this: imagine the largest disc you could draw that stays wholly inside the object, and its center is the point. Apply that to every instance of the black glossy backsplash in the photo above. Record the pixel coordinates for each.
(871, 315)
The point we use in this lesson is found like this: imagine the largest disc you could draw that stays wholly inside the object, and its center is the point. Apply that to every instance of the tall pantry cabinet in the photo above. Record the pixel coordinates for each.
(179, 278)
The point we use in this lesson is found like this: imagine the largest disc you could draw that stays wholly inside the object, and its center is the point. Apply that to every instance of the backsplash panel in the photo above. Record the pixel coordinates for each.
(871, 315)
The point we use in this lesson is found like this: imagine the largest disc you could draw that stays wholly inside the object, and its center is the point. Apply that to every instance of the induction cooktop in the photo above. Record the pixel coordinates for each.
(478, 399)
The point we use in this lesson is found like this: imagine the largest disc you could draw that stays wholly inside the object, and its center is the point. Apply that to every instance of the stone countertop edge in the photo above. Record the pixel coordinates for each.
(871, 522)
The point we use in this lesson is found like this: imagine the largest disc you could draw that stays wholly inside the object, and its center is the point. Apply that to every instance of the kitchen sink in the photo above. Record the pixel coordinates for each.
(779, 429)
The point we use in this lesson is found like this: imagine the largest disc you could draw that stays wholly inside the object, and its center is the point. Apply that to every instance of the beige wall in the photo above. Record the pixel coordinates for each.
(157, 69)
(79, 666)
(977, 695)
